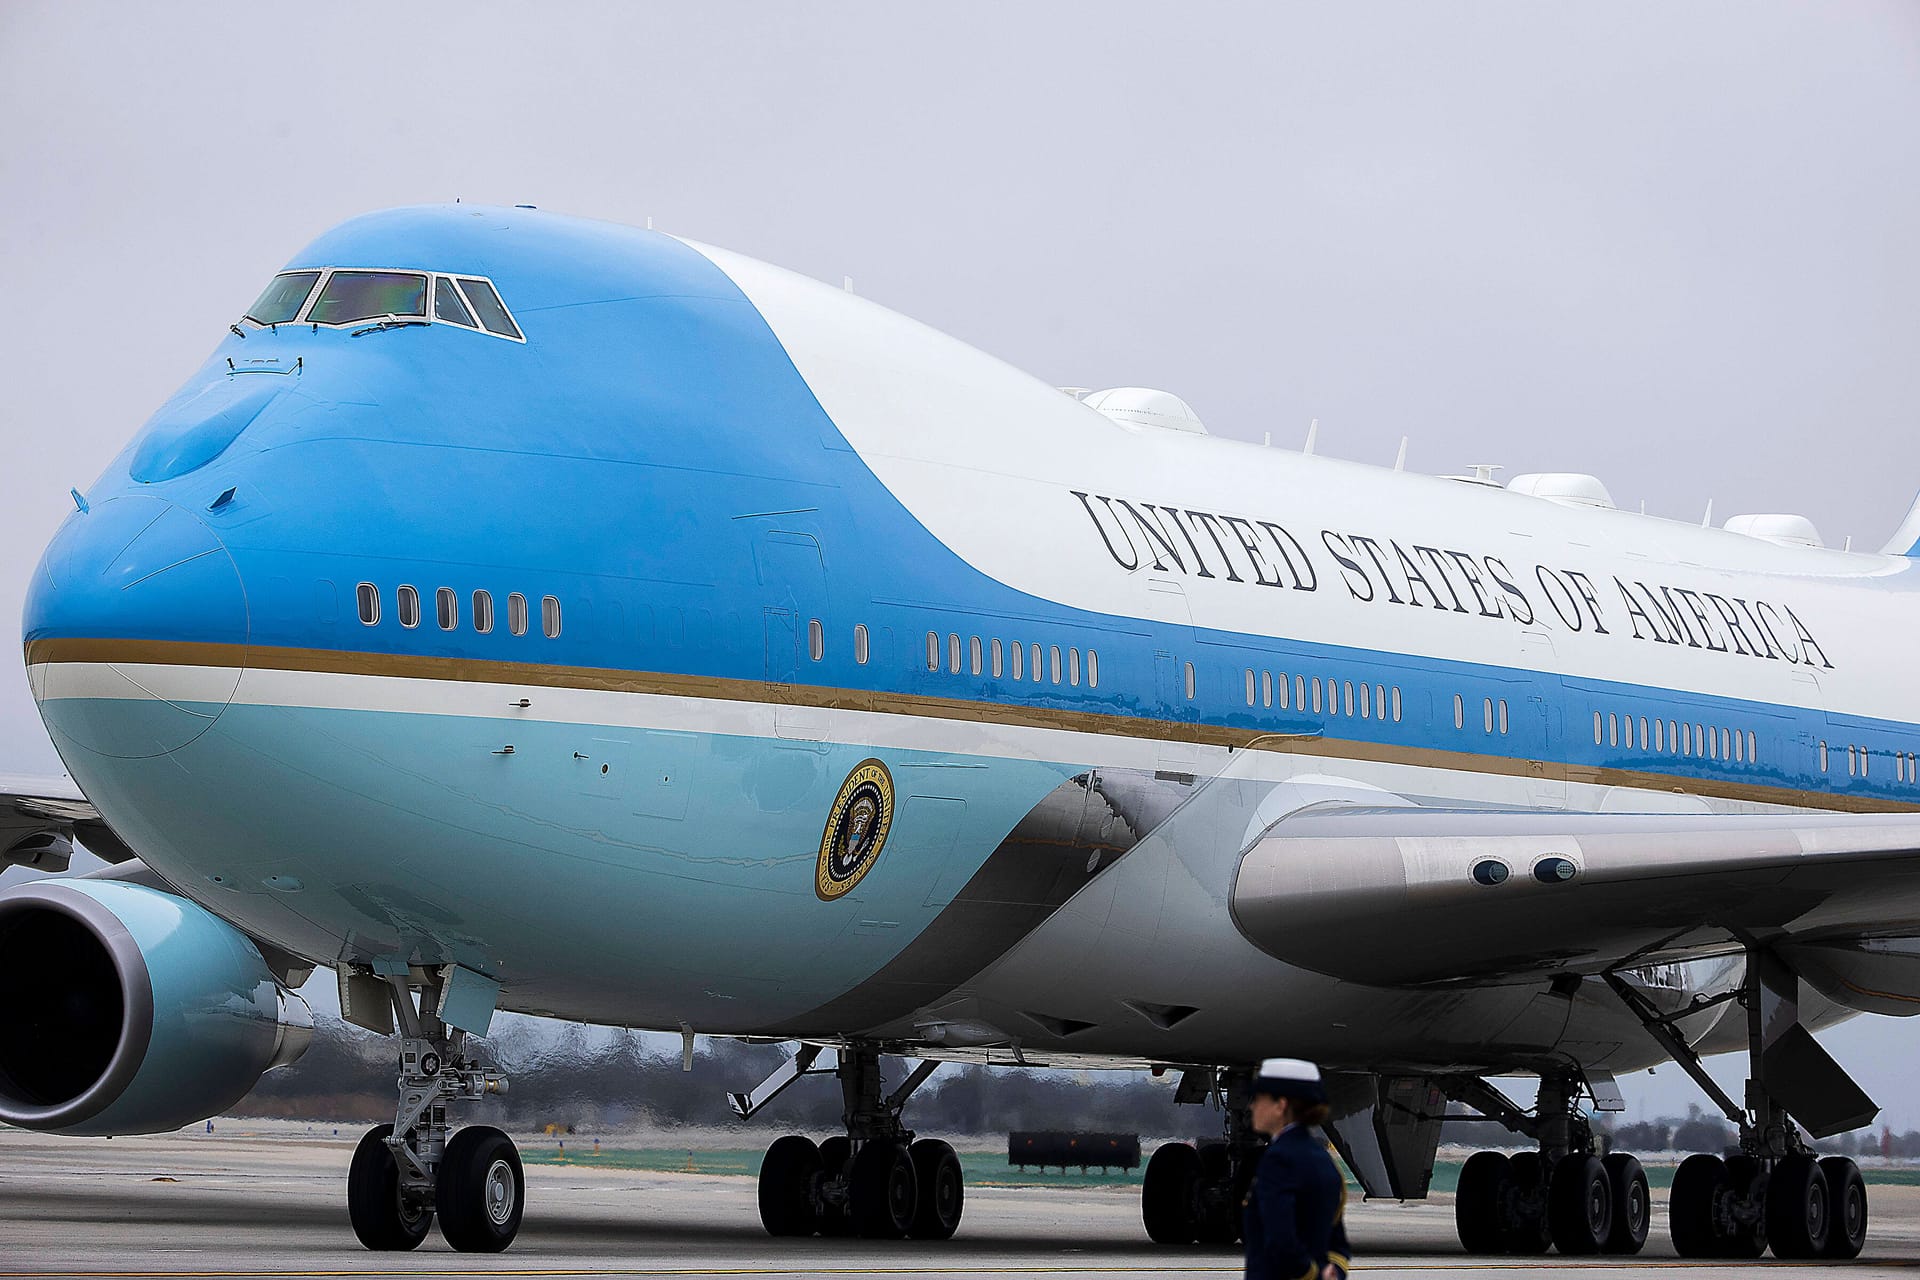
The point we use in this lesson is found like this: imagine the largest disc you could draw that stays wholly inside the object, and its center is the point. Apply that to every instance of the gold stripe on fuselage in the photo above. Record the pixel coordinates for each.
(1011, 714)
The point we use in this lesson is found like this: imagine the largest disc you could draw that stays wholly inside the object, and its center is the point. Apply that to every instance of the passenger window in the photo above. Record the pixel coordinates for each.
(1093, 669)
(1487, 712)
(1073, 667)
(285, 295)
(1190, 682)
(483, 612)
(1380, 701)
(860, 643)
(1299, 692)
(1739, 748)
(1053, 653)
(1460, 713)
(1019, 660)
(447, 306)
(933, 651)
(409, 606)
(1033, 654)
(1753, 747)
(1713, 744)
(1673, 736)
(973, 654)
(999, 660)
(1643, 733)
(1597, 741)
(1266, 688)
(1503, 715)
(487, 305)
(1396, 704)
(1613, 729)
(1316, 695)
(1249, 686)
(350, 296)
(1659, 735)
(517, 614)
(953, 653)
(1823, 757)
(368, 597)
(550, 616)
(816, 640)
(446, 608)
(1349, 697)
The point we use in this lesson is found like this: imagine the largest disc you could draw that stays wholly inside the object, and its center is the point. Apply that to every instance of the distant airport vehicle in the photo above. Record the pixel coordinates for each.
(1045, 1149)
(519, 612)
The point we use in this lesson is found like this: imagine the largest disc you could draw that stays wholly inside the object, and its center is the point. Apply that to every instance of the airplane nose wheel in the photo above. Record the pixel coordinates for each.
(381, 1219)
(479, 1191)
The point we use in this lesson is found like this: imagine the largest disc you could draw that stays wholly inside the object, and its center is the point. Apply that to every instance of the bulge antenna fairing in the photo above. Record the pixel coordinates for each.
(521, 612)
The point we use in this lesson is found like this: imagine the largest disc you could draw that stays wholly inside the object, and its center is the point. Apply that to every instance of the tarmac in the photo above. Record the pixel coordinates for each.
(273, 1203)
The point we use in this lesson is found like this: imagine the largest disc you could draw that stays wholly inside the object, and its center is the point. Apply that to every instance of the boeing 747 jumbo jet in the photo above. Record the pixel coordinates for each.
(519, 612)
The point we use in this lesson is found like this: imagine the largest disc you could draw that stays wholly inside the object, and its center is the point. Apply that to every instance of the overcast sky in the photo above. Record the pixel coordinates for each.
(1674, 245)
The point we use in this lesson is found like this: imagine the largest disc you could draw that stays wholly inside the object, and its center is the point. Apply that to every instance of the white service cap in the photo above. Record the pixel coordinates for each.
(1289, 1069)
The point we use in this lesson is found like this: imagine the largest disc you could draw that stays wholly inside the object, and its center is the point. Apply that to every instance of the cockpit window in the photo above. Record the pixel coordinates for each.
(447, 305)
(283, 299)
(369, 295)
(487, 305)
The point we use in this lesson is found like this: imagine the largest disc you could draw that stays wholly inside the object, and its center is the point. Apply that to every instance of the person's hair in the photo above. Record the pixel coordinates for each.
(1312, 1115)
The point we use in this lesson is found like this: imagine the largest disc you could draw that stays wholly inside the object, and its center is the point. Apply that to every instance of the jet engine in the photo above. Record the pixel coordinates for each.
(124, 1009)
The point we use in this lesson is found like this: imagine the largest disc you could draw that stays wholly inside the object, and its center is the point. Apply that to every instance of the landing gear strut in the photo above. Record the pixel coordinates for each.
(406, 1173)
(1195, 1192)
(1775, 1193)
(1565, 1194)
(877, 1181)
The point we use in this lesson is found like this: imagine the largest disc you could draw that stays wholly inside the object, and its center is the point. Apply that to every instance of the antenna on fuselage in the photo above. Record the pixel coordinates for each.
(649, 222)
(1706, 521)
(1400, 459)
(1313, 435)
(846, 282)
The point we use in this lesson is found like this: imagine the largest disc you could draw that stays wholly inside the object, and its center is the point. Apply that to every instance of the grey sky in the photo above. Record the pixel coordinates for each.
(1677, 246)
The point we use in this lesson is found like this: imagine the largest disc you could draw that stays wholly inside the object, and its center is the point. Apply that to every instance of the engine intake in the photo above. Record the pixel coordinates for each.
(124, 1009)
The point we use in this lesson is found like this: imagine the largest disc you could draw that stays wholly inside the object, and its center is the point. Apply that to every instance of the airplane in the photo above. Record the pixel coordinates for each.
(522, 612)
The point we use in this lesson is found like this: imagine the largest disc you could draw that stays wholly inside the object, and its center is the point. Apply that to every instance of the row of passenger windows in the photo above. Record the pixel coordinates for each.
(1020, 662)
(446, 610)
(1679, 738)
(1264, 689)
(1906, 765)
(1493, 714)
(329, 296)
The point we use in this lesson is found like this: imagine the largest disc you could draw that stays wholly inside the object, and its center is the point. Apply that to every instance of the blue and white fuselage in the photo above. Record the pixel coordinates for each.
(737, 534)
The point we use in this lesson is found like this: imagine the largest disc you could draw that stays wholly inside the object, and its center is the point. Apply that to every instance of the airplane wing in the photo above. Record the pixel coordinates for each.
(1423, 897)
(40, 818)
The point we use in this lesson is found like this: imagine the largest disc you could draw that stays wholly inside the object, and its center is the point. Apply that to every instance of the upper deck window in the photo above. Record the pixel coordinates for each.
(283, 299)
(487, 305)
(350, 296)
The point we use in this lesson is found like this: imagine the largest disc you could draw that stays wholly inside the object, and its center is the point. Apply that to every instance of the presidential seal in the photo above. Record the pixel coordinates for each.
(856, 829)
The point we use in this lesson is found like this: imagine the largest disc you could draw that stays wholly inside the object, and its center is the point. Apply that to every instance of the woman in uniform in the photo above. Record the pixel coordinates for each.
(1292, 1224)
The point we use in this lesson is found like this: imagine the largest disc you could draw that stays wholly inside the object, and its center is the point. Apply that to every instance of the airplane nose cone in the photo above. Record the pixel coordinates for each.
(135, 627)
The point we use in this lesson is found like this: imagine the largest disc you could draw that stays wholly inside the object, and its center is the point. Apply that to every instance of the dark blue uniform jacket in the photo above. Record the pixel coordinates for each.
(1292, 1225)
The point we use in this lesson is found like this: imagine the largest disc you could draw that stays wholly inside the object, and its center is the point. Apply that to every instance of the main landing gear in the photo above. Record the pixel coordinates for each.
(1194, 1192)
(1775, 1194)
(407, 1173)
(876, 1181)
(1565, 1194)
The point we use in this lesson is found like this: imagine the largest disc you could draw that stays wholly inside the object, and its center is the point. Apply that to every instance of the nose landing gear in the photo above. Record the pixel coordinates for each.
(407, 1173)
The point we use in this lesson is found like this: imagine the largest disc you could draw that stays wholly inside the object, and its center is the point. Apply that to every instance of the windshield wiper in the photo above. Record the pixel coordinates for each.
(390, 322)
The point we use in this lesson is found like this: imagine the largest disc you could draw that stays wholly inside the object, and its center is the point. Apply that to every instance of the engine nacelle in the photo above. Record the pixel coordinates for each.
(124, 1009)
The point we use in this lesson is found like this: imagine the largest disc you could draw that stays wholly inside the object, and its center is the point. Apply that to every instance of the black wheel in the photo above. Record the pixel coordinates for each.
(942, 1190)
(1632, 1206)
(1476, 1203)
(787, 1172)
(1797, 1208)
(481, 1190)
(1699, 1184)
(1579, 1204)
(1523, 1219)
(1846, 1207)
(882, 1193)
(1219, 1208)
(379, 1218)
(834, 1154)
(1170, 1194)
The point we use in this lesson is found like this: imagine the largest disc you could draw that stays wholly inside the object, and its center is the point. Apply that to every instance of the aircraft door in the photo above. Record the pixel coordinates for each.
(793, 585)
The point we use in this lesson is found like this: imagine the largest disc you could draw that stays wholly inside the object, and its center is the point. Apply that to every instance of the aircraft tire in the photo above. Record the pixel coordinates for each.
(786, 1186)
(1524, 1224)
(834, 1154)
(942, 1190)
(1219, 1220)
(1632, 1205)
(481, 1190)
(379, 1219)
(1749, 1239)
(1847, 1207)
(1579, 1205)
(1799, 1211)
(1170, 1194)
(882, 1193)
(1476, 1203)
(1699, 1182)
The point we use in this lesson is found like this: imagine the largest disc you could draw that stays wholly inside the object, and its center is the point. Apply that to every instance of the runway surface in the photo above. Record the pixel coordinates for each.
(199, 1205)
